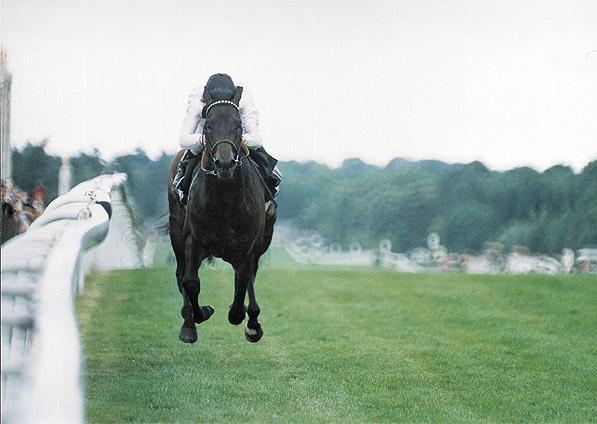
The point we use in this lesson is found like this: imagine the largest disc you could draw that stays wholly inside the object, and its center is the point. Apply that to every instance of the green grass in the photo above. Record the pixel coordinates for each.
(344, 346)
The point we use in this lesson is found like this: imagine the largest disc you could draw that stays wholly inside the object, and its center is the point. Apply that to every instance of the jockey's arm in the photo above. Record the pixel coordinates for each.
(250, 119)
(191, 132)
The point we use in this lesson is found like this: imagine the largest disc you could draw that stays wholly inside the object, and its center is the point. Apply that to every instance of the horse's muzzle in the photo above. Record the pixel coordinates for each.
(225, 168)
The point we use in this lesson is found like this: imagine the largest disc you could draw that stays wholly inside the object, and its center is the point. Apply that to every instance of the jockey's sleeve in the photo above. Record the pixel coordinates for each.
(249, 116)
(192, 125)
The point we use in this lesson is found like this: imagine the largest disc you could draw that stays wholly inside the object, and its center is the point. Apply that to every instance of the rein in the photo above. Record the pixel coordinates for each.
(238, 160)
(241, 147)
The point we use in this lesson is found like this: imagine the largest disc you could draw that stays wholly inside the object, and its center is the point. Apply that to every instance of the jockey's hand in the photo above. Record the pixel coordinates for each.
(242, 139)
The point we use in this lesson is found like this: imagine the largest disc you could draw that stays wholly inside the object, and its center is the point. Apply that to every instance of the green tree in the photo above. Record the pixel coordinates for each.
(32, 166)
(85, 167)
(520, 194)
(586, 207)
(467, 226)
(147, 181)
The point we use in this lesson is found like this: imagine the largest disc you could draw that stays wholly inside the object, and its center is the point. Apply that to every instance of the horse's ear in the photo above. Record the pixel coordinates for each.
(237, 95)
(207, 99)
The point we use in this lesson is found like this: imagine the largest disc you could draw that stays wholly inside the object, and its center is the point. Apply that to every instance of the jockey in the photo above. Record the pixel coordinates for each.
(191, 136)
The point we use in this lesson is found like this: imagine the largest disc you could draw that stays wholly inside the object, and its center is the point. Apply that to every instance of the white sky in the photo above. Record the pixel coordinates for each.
(510, 83)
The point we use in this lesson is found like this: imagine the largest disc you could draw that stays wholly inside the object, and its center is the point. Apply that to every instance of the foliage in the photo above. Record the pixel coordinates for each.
(32, 166)
(466, 205)
(85, 167)
(146, 177)
(343, 346)
(147, 181)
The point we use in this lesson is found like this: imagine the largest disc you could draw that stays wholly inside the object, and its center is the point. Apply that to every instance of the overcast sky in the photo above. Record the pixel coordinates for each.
(509, 83)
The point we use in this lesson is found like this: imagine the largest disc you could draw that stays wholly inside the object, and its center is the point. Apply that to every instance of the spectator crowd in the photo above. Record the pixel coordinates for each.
(19, 209)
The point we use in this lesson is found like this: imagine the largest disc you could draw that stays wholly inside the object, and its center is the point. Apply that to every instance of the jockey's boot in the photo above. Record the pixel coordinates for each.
(274, 181)
(268, 169)
(273, 188)
(180, 183)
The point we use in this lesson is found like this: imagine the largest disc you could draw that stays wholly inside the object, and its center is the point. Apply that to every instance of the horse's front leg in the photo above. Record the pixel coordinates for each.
(190, 286)
(253, 329)
(242, 277)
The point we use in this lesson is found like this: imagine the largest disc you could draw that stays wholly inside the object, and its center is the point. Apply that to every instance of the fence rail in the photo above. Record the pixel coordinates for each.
(42, 270)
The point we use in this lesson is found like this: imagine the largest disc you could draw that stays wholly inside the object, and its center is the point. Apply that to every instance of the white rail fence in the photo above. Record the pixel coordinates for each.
(42, 270)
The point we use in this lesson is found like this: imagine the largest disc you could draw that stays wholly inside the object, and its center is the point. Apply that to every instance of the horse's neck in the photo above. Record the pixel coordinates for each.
(232, 194)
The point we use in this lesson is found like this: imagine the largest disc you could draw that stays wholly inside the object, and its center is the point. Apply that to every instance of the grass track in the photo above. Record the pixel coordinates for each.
(344, 346)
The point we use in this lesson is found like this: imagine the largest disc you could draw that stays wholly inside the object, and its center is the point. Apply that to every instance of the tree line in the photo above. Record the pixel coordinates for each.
(466, 204)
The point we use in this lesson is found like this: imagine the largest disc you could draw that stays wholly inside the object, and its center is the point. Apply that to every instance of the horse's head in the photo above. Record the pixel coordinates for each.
(222, 133)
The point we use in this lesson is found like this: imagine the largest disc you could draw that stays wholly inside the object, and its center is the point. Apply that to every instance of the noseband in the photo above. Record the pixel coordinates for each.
(211, 148)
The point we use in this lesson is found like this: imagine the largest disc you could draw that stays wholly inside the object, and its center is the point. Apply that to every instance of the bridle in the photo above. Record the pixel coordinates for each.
(211, 148)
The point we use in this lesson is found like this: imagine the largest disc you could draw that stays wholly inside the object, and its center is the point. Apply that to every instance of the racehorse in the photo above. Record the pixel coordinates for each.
(225, 217)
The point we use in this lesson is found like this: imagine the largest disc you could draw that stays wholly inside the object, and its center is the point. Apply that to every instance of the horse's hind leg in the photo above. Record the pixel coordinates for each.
(244, 272)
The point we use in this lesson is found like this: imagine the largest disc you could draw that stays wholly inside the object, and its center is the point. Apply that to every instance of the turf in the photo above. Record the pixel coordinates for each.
(344, 346)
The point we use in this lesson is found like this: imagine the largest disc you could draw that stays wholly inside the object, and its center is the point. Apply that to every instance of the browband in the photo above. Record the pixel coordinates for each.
(219, 102)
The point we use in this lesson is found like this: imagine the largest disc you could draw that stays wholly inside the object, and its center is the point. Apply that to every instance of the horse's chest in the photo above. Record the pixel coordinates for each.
(226, 232)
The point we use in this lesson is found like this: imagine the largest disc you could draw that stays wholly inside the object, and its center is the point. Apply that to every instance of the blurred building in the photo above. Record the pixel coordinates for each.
(64, 177)
(6, 79)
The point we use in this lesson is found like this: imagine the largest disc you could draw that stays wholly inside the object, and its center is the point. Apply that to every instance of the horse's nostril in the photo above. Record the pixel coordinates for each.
(224, 163)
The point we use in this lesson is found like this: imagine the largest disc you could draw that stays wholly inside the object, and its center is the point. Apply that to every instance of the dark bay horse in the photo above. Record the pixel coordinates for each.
(225, 217)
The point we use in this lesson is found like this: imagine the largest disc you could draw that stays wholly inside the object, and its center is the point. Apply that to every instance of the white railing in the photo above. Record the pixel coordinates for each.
(42, 270)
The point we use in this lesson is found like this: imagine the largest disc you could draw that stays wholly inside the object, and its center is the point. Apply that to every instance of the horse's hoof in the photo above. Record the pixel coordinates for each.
(253, 335)
(206, 313)
(188, 334)
(236, 316)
